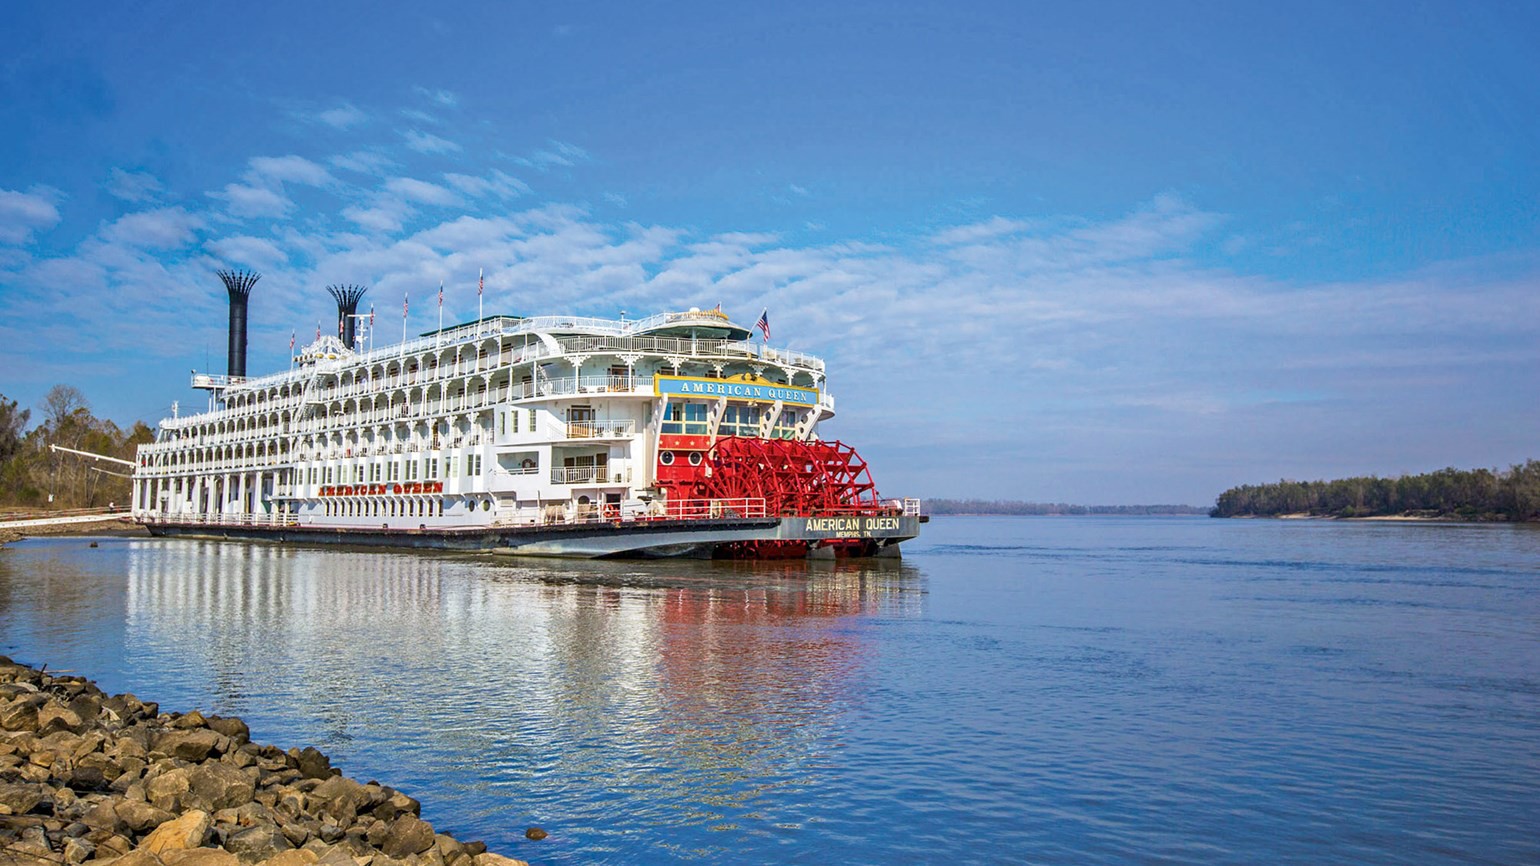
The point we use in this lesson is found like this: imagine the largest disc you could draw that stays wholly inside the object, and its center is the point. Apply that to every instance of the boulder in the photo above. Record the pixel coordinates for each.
(199, 857)
(313, 765)
(19, 715)
(497, 860)
(190, 720)
(295, 857)
(216, 785)
(337, 856)
(20, 798)
(53, 717)
(132, 858)
(188, 831)
(258, 843)
(167, 790)
(141, 817)
(235, 729)
(194, 745)
(407, 835)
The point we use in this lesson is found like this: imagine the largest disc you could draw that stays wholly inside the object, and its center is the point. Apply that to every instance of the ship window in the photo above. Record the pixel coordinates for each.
(486, 505)
(666, 458)
(695, 458)
(513, 420)
(532, 427)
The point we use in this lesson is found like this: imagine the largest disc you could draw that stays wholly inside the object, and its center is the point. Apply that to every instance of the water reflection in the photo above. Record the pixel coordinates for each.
(686, 693)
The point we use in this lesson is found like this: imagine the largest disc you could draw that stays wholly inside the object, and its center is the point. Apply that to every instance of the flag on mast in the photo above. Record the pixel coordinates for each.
(292, 335)
(371, 315)
(481, 281)
(403, 305)
(764, 323)
(441, 294)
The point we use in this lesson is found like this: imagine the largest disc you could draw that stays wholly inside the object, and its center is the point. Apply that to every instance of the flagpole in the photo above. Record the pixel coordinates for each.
(440, 334)
(403, 323)
(481, 282)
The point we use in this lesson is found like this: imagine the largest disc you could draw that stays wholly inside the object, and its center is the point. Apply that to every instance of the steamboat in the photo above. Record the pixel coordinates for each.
(677, 434)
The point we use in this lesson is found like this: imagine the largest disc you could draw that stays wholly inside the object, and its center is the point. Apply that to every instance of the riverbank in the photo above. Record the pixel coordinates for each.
(88, 778)
(111, 526)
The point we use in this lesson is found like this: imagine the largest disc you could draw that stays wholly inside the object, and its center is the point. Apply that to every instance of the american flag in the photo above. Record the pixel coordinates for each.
(481, 281)
(403, 305)
(371, 315)
(764, 323)
(441, 293)
(292, 335)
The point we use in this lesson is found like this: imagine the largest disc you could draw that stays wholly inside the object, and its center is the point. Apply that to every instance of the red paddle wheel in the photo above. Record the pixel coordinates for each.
(794, 478)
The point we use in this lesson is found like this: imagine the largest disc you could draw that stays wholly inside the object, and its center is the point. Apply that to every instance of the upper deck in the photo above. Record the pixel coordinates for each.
(325, 371)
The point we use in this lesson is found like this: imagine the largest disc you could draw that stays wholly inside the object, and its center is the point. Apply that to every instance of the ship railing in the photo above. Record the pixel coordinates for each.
(590, 475)
(703, 509)
(601, 429)
(215, 519)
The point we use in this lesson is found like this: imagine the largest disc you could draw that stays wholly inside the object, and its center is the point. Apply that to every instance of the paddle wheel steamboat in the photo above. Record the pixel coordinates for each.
(673, 435)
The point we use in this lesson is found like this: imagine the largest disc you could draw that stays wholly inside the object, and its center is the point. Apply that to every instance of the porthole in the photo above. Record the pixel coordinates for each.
(666, 458)
(486, 505)
(695, 458)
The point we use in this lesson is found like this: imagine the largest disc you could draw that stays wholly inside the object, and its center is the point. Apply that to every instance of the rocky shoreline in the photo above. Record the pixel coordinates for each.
(88, 778)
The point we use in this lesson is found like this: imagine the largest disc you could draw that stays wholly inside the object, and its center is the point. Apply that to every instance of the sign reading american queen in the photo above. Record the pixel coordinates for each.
(736, 389)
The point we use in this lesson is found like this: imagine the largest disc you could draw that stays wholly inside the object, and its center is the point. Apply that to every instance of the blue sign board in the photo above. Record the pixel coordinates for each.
(733, 389)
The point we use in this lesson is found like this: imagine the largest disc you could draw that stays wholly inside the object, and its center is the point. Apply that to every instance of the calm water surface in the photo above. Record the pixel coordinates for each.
(1054, 690)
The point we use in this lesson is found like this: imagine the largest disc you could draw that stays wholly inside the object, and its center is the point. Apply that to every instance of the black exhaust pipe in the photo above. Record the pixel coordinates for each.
(238, 284)
(347, 305)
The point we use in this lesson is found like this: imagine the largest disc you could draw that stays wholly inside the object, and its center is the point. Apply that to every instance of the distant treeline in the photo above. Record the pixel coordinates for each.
(1006, 506)
(31, 476)
(1475, 494)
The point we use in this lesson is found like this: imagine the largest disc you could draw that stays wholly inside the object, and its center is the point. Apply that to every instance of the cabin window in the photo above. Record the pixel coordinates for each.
(532, 427)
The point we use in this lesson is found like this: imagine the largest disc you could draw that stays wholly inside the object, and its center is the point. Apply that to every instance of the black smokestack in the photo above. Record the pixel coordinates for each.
(347, 304)
(238, 284)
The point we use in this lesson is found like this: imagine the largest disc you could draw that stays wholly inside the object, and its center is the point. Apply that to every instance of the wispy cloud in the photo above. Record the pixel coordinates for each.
(498, 184)
(445, 98)
(420, 191)
(162, 229)
(426, 142)
(559, 153)
(23, 213)
(245, 201)
(344, 116)
(133, 186)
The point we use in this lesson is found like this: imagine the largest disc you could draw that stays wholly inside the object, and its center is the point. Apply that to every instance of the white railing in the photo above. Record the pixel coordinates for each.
(601, 429)
(275, 519)
(911, 507)
(703, 509)
(590, 475)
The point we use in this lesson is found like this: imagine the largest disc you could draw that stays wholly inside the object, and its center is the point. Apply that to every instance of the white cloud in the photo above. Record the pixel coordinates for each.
(559, 153)
(424, 142)
(287, 169)
(22, 213)
(438, 97)
(498, 184)
(342, 117)
(363, 162)
(133, 186)
(246, 250)
(411, 189)
(162, 229)
(253, 201)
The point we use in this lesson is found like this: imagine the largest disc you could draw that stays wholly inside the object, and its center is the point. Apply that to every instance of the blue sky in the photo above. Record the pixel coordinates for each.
(1103, 252)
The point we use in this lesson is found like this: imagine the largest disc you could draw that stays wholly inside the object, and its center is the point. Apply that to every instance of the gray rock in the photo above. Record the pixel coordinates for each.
(235, 729)
(168, 790)
(20, 798)
(190, 745)
(255, 844)
(141, 817)
(314, 765)
(215, 785)
(407, 835)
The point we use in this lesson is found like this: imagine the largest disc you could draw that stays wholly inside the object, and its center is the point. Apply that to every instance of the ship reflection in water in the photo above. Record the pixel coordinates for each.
(598, 696)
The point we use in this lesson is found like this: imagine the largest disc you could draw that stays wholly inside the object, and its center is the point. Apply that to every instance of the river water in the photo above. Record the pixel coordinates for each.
(1054, 690)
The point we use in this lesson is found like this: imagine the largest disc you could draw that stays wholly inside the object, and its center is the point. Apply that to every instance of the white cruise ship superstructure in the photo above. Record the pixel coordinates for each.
(674, 434)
